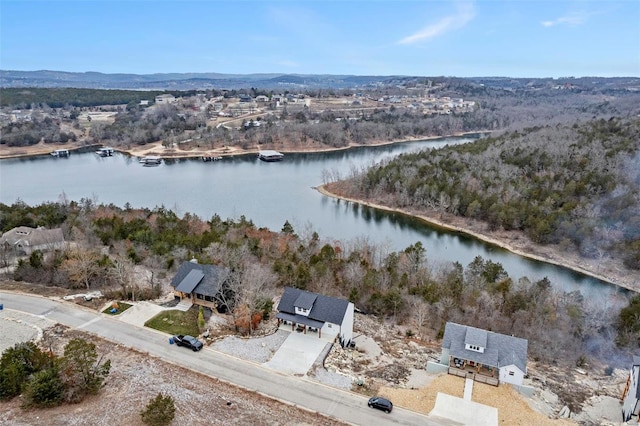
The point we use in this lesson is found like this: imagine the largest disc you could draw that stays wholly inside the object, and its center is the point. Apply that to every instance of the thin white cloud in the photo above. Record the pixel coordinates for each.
(463, 16)
(572, 19)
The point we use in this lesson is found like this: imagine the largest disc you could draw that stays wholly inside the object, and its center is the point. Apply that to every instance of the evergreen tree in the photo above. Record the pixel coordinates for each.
(160, 411)
(45, 389)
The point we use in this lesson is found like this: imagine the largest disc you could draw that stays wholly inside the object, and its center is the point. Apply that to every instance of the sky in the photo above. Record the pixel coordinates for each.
(510, 38)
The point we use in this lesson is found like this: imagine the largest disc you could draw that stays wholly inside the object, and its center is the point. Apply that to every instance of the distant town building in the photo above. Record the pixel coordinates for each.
(165, 99)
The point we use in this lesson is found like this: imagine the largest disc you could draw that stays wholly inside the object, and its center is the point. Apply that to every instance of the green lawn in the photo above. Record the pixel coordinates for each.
(176, 322)
(121, 308)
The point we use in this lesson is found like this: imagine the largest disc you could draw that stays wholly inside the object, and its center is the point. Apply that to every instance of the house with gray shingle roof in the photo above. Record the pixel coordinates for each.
(316, 313)
(26, 240)
(201, 284)
(486, 355)
(631, 394)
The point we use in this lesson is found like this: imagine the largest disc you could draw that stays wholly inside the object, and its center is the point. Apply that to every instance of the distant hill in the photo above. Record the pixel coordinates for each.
(184, 81)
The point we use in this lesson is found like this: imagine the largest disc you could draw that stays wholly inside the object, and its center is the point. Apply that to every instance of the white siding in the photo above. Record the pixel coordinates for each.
(346, 328)
(303, 312)
(330, 331)
(630, 400)
(511, 374)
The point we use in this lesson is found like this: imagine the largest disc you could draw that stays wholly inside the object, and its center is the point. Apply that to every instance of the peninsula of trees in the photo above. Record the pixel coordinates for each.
(576, 187)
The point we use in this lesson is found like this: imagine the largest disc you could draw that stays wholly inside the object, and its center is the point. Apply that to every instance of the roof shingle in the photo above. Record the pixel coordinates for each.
(500, 350)
(324, 308)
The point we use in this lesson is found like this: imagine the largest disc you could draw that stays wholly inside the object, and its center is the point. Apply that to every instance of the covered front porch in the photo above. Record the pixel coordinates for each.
(474, 370)
(197, 299)
(300, 323)
(305, 325)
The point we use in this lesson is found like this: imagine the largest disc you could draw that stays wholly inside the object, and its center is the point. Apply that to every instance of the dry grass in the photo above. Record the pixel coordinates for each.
(512, 407)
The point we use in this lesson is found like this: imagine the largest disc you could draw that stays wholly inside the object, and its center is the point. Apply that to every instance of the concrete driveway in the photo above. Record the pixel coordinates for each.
(139, 313)
(297, 354)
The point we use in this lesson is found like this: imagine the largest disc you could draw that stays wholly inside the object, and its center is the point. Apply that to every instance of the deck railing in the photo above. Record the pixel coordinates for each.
(475, 376)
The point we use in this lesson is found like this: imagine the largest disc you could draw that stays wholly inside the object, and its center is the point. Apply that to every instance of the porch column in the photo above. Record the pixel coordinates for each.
(293, 325)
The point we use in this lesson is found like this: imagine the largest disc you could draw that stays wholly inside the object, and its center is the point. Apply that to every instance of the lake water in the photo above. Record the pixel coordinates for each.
(270, 194)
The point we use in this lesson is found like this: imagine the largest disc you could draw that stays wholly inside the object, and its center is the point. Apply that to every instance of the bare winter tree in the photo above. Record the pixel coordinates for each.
(258, 285)
(81, 266)
(122, 273)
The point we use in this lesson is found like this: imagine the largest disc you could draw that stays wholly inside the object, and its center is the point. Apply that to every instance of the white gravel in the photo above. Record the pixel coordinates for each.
(331, 378)
(18, 327)
(256, 349)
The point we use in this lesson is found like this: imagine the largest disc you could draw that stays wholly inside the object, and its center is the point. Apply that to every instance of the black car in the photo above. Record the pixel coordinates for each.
(380, 403)
(188, 342)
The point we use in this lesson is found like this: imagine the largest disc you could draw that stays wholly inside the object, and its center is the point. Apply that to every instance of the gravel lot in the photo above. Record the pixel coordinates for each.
(16, 327)
(257, 349)
(136, 378)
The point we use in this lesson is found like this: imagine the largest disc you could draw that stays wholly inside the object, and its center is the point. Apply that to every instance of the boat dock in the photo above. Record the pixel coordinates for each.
(61, 153)
(151, 161)
(105, 152)
(270, 155)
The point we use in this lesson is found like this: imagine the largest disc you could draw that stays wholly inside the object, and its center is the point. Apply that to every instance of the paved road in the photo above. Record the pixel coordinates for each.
(336, 403)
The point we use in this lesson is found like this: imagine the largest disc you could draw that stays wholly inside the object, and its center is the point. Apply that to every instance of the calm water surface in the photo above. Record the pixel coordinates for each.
(269, 194)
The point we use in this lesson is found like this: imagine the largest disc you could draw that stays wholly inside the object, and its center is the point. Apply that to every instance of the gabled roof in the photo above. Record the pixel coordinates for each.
(325, 308)
(305, 300)
(30, 237)
(190, 282)
(207, 285)
(476, 336)
(500, 350)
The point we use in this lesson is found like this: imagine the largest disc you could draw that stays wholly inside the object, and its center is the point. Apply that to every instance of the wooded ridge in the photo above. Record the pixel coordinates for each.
(576, 186)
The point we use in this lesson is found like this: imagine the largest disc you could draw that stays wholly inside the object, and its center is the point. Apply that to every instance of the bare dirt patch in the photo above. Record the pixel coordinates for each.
(136, 377)
(388, 363)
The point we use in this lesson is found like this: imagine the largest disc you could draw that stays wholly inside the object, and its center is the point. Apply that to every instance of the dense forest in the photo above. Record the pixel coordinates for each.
(576, 186)
(28, 98)
(109, 242)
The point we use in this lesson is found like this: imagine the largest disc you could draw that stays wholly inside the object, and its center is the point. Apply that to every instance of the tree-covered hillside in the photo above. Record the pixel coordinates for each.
(577, 186)
(110, 243)
(58, 98)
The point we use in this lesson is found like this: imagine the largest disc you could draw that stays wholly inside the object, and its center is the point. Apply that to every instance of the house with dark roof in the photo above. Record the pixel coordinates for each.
(631, 393)
(25, 240)
(484, 355)
(200, 284)
(311, 312)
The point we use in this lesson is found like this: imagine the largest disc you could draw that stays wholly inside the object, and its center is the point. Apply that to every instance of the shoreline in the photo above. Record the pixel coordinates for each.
(618, 281)
(157, 149)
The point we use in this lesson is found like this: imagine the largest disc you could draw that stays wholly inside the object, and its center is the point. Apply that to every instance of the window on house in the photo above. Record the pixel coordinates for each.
(329, 325)
(511, 373)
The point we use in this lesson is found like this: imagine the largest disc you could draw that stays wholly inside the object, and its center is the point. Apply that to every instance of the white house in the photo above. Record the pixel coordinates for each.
(317, 313)
(631, 393)
(25, 240)
(487, 355)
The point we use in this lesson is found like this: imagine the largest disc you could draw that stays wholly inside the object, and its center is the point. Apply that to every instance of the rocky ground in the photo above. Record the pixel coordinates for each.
(385, 361)
(135, 378)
